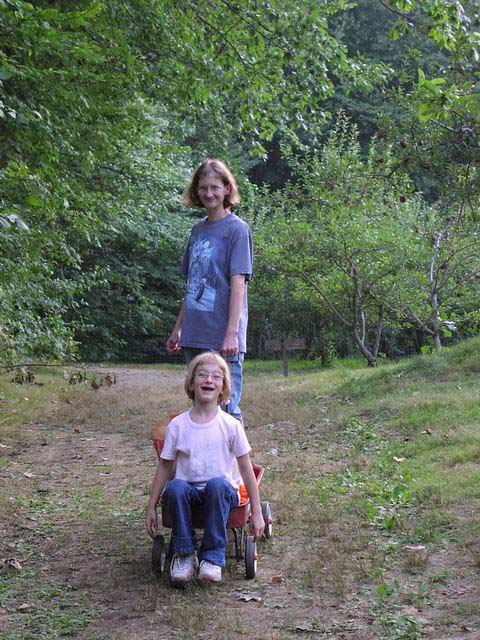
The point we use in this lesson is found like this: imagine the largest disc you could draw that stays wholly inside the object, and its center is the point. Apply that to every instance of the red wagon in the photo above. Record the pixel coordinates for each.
(238, 519)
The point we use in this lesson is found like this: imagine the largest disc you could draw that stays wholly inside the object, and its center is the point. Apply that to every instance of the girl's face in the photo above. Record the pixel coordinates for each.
(207, 383)
(212, 191)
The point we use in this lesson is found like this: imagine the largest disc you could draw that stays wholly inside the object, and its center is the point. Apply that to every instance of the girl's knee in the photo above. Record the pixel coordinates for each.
(216, 485)
(176, 488)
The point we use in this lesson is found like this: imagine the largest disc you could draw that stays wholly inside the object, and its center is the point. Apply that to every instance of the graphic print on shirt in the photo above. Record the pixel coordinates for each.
(202, 464)
(201, 286)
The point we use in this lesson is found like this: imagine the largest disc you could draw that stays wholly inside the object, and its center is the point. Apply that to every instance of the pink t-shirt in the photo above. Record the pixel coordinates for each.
(205, 451)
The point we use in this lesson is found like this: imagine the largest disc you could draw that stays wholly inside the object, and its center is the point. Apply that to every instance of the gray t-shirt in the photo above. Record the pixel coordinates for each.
(215, 252)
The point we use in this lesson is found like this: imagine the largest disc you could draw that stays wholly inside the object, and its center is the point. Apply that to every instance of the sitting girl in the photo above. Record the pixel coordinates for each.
(211, 453)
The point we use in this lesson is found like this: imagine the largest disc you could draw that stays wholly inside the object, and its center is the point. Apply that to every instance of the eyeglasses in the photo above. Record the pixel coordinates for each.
(204, 375)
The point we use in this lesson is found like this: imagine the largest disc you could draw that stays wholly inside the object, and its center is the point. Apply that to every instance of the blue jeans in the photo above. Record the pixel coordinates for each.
(236, 372)
(216, 500)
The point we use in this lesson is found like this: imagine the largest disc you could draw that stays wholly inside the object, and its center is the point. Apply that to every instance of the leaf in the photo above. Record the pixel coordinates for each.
(384, 590)
(249, 597)
(5, 73)
(33, 201)
(10, 563)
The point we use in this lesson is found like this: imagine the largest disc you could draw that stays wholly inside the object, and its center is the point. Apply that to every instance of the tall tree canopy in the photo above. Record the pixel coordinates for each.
(106, 107)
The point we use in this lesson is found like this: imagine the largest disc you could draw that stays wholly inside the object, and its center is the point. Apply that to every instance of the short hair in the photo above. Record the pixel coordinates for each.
(190, 196)
(207, 358)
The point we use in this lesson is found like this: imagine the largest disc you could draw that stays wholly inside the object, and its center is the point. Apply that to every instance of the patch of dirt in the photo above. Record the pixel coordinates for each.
(128, 377)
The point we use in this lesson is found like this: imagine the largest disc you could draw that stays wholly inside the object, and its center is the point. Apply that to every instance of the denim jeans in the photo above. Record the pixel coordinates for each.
(215, 500)
(236, 372)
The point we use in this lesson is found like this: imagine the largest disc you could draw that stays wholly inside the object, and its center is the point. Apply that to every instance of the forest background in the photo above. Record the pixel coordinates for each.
(353, 128)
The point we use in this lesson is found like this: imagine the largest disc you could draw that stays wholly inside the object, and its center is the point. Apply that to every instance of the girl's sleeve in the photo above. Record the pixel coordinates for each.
(240, 444)
(241, 255)
(169, 451)
(184, 265)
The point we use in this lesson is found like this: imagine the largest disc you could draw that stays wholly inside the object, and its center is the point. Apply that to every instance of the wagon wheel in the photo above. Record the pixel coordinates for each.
(267, 517)
(159, 555)
(250, 557)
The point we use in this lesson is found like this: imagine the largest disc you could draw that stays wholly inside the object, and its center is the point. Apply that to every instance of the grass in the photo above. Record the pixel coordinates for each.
(299, 365)
(359, 463)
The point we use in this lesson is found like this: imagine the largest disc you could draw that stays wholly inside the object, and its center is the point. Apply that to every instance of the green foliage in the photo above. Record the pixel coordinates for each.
(337, 247)
(105, 108)
(372, 257)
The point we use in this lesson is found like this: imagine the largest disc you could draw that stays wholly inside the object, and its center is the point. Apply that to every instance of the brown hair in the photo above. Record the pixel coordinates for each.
(207, 358)
(190, 197)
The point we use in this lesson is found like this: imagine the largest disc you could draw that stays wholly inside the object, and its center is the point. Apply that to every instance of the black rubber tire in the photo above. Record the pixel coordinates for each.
(159, 555)
(250, 557)
(267, 517)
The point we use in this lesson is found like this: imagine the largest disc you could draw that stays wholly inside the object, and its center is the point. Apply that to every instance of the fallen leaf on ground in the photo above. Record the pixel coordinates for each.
(10, 563)
(248, 597)
(27, 474)
(452, 593)
(24, 607)
(306, 628)
(277, 579)
(331, 468)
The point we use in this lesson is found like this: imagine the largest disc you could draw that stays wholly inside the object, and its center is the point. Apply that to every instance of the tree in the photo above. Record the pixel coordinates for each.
(86, 89)
(338, 234)
(445, 251)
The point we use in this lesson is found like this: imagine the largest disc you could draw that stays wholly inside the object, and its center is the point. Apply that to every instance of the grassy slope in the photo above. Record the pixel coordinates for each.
(404, 441)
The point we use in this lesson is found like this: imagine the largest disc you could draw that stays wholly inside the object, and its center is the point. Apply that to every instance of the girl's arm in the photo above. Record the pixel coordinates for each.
(237, 291)
(257, 525)
(162, 476)
(174, 338)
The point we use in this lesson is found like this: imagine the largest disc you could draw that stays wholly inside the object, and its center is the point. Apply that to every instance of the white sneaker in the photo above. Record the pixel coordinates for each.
(183, 568)
(209, 572)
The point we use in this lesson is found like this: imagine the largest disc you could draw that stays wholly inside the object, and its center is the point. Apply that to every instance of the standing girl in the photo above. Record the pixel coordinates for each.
(217, 265)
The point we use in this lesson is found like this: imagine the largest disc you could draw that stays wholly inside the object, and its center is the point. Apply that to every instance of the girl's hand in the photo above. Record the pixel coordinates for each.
(257, 525)
(230, 345)
(172, 342)
(152, 522)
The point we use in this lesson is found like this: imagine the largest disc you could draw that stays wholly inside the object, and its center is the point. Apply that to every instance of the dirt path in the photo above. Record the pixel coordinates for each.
(78, 481)
(76, 485)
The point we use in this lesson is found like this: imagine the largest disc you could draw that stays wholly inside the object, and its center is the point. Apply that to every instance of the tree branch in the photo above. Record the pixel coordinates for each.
(330, 304)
